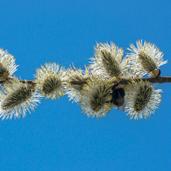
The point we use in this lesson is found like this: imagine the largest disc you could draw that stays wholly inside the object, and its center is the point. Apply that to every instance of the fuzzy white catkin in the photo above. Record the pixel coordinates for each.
(76, 80)
(17, 99)
(50, 80)
(138, 91)
(96, 97)
(107, 60)
(8, 62)
(139, 66)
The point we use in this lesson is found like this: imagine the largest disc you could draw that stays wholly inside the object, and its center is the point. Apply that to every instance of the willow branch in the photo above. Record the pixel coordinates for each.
(22, 81)
(164, 79)
(160, 80)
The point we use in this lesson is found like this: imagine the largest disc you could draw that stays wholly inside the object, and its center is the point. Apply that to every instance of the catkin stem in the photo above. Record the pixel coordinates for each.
(159, 80)
(165, 79)
(31, 82)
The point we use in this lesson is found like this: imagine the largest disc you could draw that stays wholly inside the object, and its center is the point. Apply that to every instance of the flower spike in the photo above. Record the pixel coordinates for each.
(16, 99)
(96, 98)
(107, 60)
(50, 80)
(141, 99)
(147, 58)
(7, 65)
(76, 80)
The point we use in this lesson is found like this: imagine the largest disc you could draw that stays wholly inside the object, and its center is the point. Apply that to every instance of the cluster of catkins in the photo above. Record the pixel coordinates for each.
(97, 88)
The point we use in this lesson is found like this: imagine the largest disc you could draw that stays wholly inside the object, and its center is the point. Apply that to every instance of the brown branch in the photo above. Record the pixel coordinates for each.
(22, 81)
(165, 79)
(159, 80)
(28, 81)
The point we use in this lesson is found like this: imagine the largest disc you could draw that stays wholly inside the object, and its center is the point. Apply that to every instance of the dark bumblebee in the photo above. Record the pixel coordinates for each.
(118, 95)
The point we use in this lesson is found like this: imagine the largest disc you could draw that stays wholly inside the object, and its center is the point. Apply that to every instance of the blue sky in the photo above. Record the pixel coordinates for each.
(57, 136)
